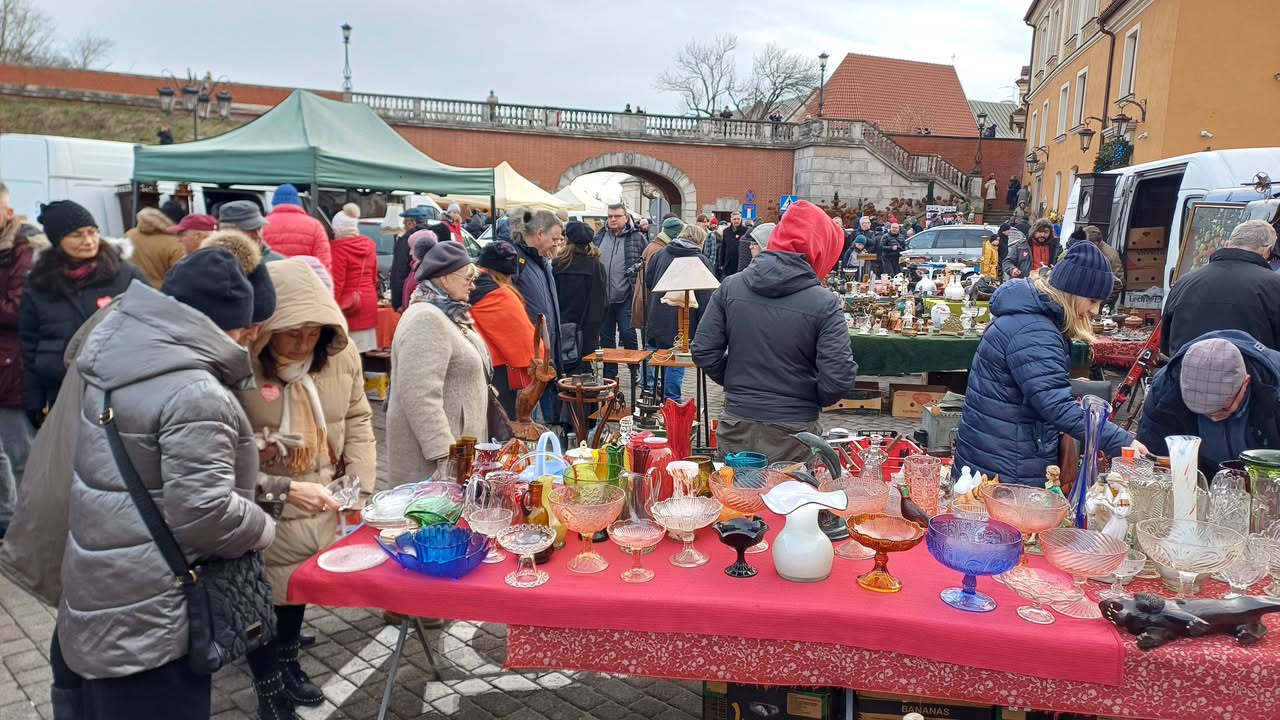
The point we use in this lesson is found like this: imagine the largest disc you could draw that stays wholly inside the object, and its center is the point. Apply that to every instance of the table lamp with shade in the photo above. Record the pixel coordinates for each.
(685, 275)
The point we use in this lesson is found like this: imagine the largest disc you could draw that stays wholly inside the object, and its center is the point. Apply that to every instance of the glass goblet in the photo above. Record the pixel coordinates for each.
(1029, 509)
(1133, 563)
(866, 496)
(742, 491)
(687, 515)
(883, 534)
(526, 541)
(635, 536)
(1248, 568)
(1082, 554)
(587, 509)
(972, 547)
(1041, 587)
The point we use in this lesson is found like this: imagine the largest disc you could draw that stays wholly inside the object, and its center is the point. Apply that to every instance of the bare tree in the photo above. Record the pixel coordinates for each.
(88, 52)
(26, 34)
(703, 75)
(776, 75)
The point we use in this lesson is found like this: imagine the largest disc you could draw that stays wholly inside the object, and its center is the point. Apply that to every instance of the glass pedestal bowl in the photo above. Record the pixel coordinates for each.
(742, 491)
(1189, 548)
(636, 536)
(866, 497)
(587, 509)
(740, 534)
(526, 541)
(1028, 509)
(1041, 587)
(883, 534)
(972, 547)
(489, 522)
(1082, 554)
(685, 516)
(438, 550)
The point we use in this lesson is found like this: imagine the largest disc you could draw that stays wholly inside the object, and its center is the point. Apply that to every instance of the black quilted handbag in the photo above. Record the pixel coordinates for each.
(229, 604)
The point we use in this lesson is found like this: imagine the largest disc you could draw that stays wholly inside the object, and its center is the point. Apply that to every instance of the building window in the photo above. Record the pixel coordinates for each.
(1069, 26)
(1064, 107)
(1035, 128)
(1129, 63)
(1057, 191)
(1044, 123)
(1055, 29)
(1087, 10)
(1082, 96)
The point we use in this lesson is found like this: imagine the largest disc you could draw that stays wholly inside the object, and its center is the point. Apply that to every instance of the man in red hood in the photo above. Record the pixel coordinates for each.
(777, 341)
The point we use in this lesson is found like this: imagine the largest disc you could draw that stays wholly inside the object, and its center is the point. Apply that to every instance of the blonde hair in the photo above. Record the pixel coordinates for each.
(1078, 327)
(694, 234)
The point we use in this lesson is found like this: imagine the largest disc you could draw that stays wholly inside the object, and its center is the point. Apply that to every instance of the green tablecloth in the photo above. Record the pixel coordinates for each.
(901, 355)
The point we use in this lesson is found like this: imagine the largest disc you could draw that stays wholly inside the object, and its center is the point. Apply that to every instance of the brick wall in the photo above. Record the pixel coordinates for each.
(715, 171)
(1004, 157)
(111, 82)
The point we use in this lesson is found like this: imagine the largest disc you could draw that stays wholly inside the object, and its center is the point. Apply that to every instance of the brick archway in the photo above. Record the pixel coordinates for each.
(671, 180)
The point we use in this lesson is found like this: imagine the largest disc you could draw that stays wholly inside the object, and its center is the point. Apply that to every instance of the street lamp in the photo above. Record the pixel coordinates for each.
(196, 97)
(822, 80)
(982, 132)
(1033, 158)
(346, 55)
(1086, 133)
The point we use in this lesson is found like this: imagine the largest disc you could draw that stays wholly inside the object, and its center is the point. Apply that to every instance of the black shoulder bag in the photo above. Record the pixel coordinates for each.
(229, 605)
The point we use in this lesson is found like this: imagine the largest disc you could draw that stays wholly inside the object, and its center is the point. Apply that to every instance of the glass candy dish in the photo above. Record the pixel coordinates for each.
(436, 503)
(883, 534)
(1041, 587)
(385, 510)
(970, 510)
(1249, 567)
(685, 516)
(1029, 509)
(635, 536)
(867, 496)
(1189, 548)
(526, 541)
(1082, 554)
(587, 509)
(972, 547)
(438, 550)
(741, 533)
(743, 491)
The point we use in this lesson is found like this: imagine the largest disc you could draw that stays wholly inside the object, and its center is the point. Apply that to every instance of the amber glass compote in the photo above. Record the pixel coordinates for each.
(587, 509)
(883, 534)
(743, 491)
(1082, 554)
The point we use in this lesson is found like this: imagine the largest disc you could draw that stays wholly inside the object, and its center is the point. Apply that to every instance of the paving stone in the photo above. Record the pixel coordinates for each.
(554, 680)
(39, 674)
(512, 682)
(361, 706)
(525, 713)
(564, 711)
(19, 711)
(541, 701)
(664, 691)
(581, 696)
(12, 632)
(46, 710)
(500, 704)
(448, 705)
(10, 694)
(688, 702)
(617, 690)
(649, 707)
(15, 646)
(25, 660)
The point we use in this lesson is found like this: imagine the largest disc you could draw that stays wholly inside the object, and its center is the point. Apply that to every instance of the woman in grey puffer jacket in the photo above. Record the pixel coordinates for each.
(170, 364)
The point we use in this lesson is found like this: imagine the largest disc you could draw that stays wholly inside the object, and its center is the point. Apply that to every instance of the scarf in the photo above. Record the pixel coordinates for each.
(303, 416)
(458, 312)
(1039, 255)
(77, 273)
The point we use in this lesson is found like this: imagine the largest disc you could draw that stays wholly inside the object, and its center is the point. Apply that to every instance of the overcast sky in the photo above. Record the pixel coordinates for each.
(595, 54)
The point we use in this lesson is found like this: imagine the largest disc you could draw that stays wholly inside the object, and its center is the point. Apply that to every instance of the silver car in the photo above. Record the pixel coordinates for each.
(948, 243)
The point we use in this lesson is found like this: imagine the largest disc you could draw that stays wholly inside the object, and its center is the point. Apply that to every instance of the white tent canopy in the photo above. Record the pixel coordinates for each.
(511, 189)
(581, 202)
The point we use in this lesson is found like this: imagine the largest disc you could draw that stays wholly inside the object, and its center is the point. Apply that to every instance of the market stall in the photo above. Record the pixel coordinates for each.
(894, 354)
(510, 190)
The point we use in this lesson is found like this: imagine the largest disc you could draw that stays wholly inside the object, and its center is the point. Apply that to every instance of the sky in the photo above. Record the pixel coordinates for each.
(590, 54)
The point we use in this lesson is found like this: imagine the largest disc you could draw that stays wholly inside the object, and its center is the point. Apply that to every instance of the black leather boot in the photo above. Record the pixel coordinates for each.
(274, 702)
(296, 683)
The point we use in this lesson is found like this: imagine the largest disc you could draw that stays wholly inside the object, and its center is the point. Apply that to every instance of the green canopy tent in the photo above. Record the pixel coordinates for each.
(312, 141)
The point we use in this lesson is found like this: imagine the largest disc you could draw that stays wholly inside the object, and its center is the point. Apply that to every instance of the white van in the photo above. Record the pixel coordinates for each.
(40, 168)
(1158, 196)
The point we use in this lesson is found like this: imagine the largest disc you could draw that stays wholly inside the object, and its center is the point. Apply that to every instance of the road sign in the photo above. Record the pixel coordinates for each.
(751, 197)
(749, 211)
(786, 202)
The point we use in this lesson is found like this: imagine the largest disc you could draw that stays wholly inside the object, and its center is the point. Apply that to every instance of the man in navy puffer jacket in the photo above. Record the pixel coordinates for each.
(1019, 398)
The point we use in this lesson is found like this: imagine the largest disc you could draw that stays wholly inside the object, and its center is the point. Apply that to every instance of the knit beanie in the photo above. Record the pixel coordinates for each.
(347, 222)
(285, 195)
(672, 227)
(444, 258)
(760, 234)
(499, 257)
(1083, 272)
(264, 294)
(420, 242)
(60, 218)
(212, 281)
(580, 234)
(249, 256)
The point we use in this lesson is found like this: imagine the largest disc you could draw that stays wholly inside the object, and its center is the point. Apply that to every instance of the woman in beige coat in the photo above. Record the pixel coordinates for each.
(440, 368)
(311, 416)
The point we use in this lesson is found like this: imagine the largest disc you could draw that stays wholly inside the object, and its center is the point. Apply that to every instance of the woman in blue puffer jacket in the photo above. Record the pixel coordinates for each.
(1019, 398)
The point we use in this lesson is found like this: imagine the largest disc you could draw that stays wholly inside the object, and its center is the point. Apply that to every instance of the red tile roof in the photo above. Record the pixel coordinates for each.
(899, 95)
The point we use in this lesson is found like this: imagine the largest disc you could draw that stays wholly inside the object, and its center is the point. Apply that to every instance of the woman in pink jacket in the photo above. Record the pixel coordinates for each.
(355, 278)
(290, 231)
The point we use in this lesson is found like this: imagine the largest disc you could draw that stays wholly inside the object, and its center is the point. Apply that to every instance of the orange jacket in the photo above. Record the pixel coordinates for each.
(500, 318)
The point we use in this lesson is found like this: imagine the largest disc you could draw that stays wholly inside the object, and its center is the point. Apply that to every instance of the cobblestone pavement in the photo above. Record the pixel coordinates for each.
(352, 656)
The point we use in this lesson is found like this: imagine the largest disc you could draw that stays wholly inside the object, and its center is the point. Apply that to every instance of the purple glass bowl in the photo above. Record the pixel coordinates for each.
(439, 550)
(972, 547)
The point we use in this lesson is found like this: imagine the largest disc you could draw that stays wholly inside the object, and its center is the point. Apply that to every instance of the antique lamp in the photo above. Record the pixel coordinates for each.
(685, 275)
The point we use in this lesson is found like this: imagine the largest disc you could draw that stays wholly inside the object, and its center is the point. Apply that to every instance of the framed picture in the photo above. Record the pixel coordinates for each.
(1211, 224)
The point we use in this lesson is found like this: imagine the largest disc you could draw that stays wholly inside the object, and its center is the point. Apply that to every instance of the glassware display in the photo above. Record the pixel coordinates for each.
(706, 468)
(741, 533)
(536, 511)
(1082, 554)
(587, 509)
(488, 509)
(972, 547)
(801, 551)
(1030, 509)
(1189, 547)
(350, 558)
(873, 460)
(1184, 457)
(1152, 495)
(685, 516)
(1041, 587)
(1133, 563)
(1250, 566)
(1263, 467)
(1096, 412)
(866, 496)
(438, 550)
(487, 458)
(435, 503)
(923, 474)
(970, 509)
(526, 541)
(883, 534)
(641, 489)
(746, 459)
(1229, 504)
(684, 478)
(678, 418)
(636, 536)
(1269, 542)
(742, 492)
(659, 457)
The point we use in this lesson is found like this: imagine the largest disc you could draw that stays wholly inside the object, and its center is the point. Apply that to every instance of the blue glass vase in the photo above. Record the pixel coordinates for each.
(1096, 412)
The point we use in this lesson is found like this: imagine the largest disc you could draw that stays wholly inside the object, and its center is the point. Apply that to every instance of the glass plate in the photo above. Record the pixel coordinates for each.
(351, 558)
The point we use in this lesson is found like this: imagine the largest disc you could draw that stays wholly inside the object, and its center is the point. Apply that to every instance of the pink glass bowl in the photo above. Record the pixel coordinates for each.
(1082, 554)
(1040, 587)
(1029, 509)
(587, 509)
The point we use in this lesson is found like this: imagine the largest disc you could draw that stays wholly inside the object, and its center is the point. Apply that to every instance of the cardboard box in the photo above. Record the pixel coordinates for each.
(377, 385)
(865, 398)
(1143, 279)
(909, 401)
(1146, 299)
(1145, 259)
(731, 701)
(1148, 238)
(1020, 714)
(879, 706)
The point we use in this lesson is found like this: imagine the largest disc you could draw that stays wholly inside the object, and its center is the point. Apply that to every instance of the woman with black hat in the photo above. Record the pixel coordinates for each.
(581, 285)
(499, 315)
(67, 284)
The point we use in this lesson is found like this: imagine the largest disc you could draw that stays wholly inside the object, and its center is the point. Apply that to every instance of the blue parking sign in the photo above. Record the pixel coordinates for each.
(749, 211)
(786, 202)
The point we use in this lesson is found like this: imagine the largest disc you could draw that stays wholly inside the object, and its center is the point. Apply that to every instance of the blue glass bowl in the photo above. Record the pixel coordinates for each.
(972, 547)
(439, 550)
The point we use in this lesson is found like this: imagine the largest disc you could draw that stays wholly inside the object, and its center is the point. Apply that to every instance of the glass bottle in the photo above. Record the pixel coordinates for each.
(659, 455)
(873, 459)
(538, 515)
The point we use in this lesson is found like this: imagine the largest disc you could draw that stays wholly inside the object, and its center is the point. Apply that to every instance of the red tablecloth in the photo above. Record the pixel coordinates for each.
(1116, 353)
(705, 601)
(387, 321)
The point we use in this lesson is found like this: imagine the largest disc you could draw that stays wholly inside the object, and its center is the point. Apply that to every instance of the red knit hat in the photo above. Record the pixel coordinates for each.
(806, 229)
